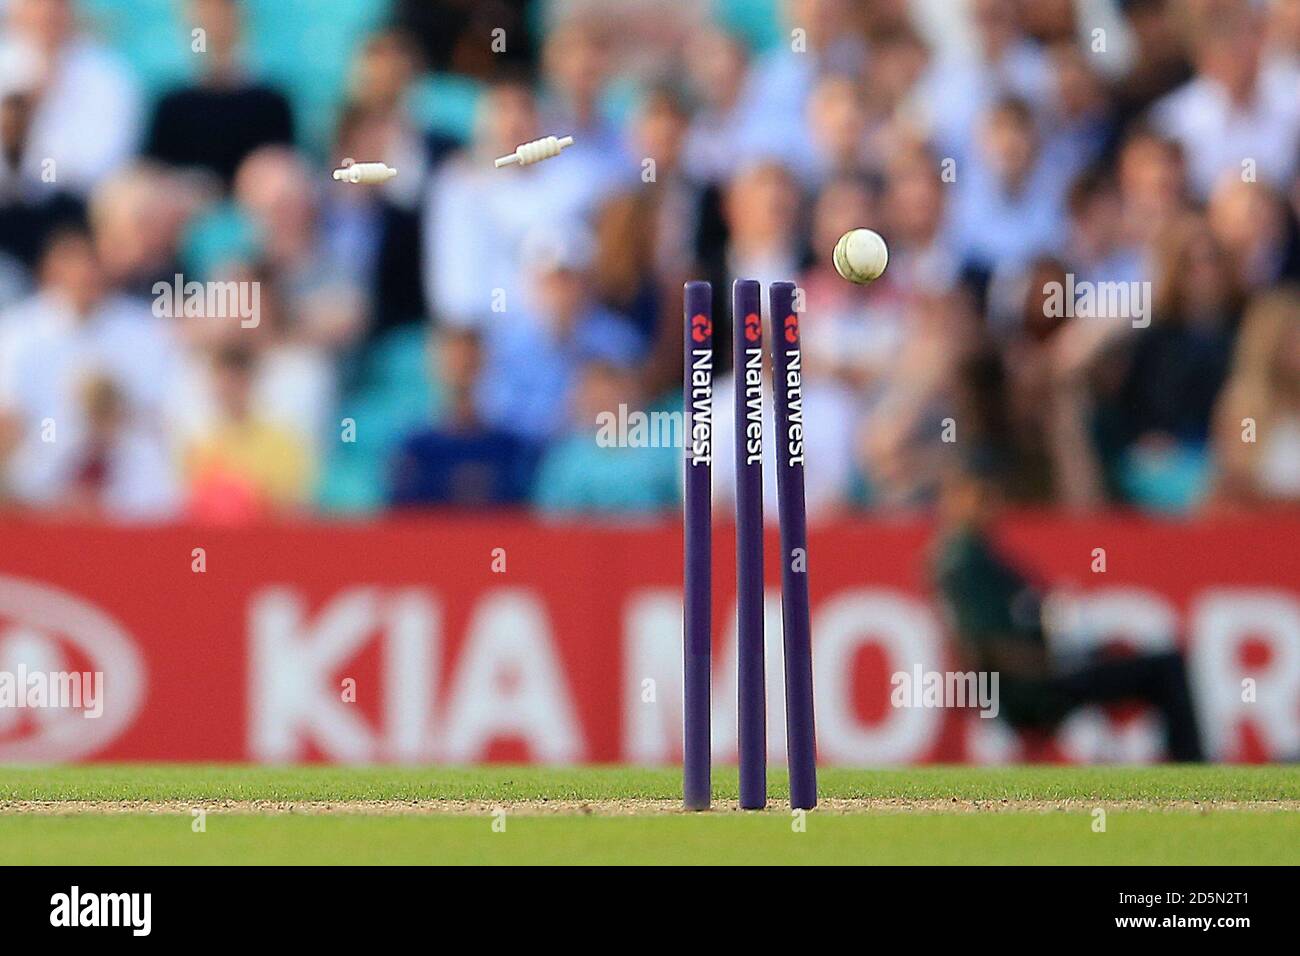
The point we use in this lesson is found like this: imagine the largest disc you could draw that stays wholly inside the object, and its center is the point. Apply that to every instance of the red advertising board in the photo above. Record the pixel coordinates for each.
(455, 640)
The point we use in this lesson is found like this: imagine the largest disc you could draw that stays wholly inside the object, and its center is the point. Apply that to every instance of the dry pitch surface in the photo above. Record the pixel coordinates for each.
(204, 814)
(834, 806)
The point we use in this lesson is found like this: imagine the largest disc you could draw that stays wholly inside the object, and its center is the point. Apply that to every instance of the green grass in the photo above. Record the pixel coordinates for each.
(1130, 838)
(202, 782)
(1153, 836)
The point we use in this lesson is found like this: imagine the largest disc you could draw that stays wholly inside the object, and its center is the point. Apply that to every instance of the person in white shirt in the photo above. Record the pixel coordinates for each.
(87, 116)
(1241, 112)
(824, 39)
(1010, 202)
(761, 204)
(716, 66)
(83, 379)
(957, 89)
(477, 216)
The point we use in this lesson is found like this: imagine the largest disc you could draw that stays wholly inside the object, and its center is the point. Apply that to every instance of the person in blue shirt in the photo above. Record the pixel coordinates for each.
(602, 468)
(461, 461)
(534, 352)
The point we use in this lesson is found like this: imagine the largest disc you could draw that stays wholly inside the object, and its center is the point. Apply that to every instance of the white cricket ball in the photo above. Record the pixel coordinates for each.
(861, 256)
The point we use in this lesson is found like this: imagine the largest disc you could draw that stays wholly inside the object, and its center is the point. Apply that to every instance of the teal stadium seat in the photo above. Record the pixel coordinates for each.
(756, 21)
(304, 46)
(149, 34)
(446, 103)
(394, 398)
(217, 238)
(399, 360)
(1169, 481)
(350, 486)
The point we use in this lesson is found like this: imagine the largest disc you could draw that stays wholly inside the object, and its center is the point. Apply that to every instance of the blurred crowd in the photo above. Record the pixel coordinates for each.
(452, 337)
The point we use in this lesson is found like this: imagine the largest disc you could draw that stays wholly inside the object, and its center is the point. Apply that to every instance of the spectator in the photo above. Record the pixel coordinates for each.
(138, 216)
(1009, 204)
(958, 90)
(1239, 109)
(851, 334)
(1049, 22)
(922, 256)
(1257, 423)
(1080, 127)
(381, 82)
(378, 230)
(1282, 42)
(532, 363)
(1098, 247)
(648, 232)
(83, 377)
(244, 467)
(646, 239)
(827, 37)
(1040, 344)
(575, 71)
(1156, 397)
(217, 121)
(118, 471)
(838, 126)
(716, 65)
(321, 284)
(461, 461)
(293, 380)
(761, 208)
(451, 34)
(1251, 223)
(1160, 62)
(895, 119)
(85, 119)
(579, 475)
(31, 208)
(478, 216)
(901, 442)
(1152, 184)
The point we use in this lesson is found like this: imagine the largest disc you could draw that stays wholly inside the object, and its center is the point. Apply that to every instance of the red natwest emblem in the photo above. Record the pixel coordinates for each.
(792, 328)
(753, 327)
(701, 327)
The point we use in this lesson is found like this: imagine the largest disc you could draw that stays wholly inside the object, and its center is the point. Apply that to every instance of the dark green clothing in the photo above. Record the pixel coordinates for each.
(997, 615)
(990, 604)
(988, 598)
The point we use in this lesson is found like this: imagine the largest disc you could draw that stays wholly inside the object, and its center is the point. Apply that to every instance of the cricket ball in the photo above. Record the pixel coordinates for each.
(861, 256)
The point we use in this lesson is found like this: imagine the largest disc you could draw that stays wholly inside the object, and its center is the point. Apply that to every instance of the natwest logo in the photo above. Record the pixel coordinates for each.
(701, 327)
(49, 641)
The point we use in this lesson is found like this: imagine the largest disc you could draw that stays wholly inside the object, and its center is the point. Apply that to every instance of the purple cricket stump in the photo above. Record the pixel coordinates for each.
(747, 328)
(787, 388)
(697, 506)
